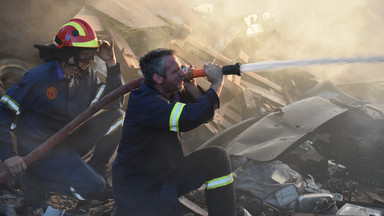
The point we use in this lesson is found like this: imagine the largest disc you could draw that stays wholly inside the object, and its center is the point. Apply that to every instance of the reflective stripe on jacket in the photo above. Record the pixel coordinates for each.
(150, 146)
(44, 101)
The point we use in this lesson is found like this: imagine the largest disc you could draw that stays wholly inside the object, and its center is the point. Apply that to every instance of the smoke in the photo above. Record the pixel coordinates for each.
(24, 23)
(307, 29)
(297, 29)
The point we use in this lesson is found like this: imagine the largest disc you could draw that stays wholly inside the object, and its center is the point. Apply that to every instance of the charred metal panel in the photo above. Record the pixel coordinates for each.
(273, 134)
(328, 90)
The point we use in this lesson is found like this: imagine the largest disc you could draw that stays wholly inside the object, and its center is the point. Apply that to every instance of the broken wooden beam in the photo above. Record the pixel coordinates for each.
(232, 33)
(232, 88)
(131, 15)
(259, 79)
(185, 55)
(125, 49)
(272, 96)
(249, 98)
(208, 50)
(194, 207)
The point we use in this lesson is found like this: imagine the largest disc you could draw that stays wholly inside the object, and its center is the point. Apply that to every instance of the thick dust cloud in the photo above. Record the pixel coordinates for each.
(310, 29)
(295, 29)
(24, 23)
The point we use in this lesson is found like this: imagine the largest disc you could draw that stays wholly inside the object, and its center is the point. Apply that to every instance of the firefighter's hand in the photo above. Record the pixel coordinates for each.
(15, 165)
(214, 76)
(107, 53)
(191, 87)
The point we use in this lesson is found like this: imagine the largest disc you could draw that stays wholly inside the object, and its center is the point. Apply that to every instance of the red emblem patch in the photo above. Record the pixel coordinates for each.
(51, 93)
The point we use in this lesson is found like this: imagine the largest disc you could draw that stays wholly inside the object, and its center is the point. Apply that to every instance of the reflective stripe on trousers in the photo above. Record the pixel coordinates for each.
(76, 195)
(219, 182)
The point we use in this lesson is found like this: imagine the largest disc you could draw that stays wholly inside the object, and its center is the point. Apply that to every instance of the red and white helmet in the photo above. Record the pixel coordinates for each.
(76, 33)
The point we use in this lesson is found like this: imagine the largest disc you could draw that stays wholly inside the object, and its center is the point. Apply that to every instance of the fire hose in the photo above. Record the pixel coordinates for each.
(74, 124)
(239, 69)
(236, 69)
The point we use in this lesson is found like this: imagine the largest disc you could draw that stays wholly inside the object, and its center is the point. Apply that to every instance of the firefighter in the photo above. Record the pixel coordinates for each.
(150, 171)
(47, 98)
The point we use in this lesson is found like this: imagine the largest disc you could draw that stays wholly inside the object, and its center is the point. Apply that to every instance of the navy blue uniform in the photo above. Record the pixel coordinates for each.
(44, 101)
(150, 171)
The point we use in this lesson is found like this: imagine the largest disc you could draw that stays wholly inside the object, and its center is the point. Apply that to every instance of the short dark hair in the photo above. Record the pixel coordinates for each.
(152, 63)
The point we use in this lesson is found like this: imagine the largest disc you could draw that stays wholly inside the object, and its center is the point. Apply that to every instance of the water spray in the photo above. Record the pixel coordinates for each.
(239, 69)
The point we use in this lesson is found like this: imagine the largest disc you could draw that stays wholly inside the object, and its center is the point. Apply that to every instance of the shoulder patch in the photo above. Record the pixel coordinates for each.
(51, 93)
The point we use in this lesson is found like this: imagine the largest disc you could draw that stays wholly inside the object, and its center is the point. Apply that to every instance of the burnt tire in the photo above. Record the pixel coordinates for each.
(2, 92)
(11, 71)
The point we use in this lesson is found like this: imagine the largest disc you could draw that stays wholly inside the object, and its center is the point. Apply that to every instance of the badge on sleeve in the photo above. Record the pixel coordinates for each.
(51, 93)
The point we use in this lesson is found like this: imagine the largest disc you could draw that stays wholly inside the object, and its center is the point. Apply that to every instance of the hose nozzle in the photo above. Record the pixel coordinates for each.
(192, 72)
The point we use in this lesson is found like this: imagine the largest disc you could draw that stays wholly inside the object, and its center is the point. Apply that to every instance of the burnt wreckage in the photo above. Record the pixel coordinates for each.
(296, 145)
(311, 156)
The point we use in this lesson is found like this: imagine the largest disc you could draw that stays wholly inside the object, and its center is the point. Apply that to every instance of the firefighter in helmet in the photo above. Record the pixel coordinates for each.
(47, 98)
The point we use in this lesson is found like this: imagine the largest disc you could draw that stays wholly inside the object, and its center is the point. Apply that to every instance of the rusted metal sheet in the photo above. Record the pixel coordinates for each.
(273, 134)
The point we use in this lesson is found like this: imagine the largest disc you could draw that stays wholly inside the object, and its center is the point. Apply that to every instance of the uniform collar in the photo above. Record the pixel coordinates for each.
(173, 98)
(59, 71)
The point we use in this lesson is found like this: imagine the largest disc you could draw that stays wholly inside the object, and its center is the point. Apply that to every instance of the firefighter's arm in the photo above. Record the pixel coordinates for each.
(215, 77)
(107, 53)
(15, 164)
(114, 78)
(191, 87)
(10, 107)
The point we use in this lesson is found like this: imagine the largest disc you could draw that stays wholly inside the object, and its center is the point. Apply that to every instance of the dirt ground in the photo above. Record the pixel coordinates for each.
(11, 196)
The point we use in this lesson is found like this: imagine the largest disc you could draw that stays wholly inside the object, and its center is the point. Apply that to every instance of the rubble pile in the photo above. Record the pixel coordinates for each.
(298, 145)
